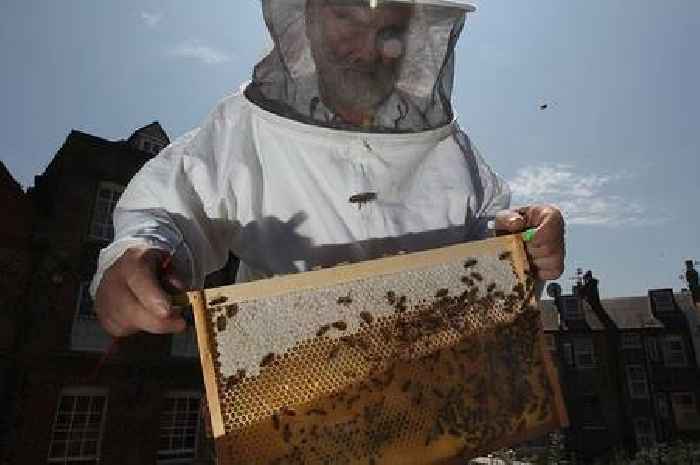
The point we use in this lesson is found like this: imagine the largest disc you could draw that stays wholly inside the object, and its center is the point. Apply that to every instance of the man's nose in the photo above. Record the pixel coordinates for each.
(365, 50)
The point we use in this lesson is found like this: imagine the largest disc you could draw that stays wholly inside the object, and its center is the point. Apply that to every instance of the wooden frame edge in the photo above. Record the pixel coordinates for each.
(199, 308)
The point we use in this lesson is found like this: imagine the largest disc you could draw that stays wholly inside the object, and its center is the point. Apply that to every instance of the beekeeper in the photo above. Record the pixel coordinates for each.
(344, 147)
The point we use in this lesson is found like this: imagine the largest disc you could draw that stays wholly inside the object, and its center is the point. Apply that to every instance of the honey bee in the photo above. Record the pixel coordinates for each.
(470, 263)
(231, 310)
(218, 301)
(363, 198)
(267, 360)
(367, 317)
(334, 352)
(391, 297)
(221, 323)
(323, 330)
(491, 287)
(476, 276)
(344, 300)
(505, 255)
(442, 293)
(290, 412)
(340, 325)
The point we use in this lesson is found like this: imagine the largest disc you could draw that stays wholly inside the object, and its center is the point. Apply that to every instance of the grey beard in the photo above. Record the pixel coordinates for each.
(357, 91)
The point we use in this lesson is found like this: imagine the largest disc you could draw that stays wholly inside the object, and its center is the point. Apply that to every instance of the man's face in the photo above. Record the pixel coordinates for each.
(357, 51)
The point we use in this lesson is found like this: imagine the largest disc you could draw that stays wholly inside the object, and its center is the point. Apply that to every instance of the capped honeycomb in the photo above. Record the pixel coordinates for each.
(421, 358)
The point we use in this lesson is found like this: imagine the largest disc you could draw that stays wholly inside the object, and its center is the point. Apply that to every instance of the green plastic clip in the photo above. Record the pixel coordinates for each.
(528, 235)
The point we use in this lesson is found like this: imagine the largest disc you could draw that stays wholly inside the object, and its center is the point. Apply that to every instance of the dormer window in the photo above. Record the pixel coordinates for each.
(662, 300)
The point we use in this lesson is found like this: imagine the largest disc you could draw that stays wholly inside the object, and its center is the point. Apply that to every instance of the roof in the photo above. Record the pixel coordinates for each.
(591, 318)
(631, 313)
(153, 129)
(7, 179)
(552, 322)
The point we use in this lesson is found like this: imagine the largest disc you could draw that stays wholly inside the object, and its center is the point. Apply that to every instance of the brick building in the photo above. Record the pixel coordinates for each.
(15, 263)
(143, 404)
(628, 368)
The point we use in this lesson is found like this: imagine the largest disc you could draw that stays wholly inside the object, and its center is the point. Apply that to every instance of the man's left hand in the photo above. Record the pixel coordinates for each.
(546, 250)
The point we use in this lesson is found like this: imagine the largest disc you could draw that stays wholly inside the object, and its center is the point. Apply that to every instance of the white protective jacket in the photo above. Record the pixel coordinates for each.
(275, 192)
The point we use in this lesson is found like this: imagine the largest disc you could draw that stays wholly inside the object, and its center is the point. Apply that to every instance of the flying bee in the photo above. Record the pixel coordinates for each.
(367, 317)
(221, 323)
(470, 263)
(345, 300)
(442, 293)
(340, 325)
(267, 360)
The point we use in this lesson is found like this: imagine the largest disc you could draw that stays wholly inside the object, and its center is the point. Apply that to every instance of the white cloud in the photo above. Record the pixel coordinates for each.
(583, 198)
(196, 50)
(151, 19)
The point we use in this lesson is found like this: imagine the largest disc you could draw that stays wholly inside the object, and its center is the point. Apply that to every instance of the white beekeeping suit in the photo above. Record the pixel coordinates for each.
(344, 147)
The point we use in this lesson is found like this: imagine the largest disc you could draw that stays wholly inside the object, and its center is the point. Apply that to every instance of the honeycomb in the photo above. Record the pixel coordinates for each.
(419, 359)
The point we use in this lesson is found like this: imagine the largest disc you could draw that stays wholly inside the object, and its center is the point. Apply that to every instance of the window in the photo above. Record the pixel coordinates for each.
(663, 300)
(684, 402)
(674, 351)
(644, 432)
(77, 428)
(583, 352)
(179, 427)
(568, 354)
(87, 333)
(653, 349)
(572, 308)
(685, 411)
(107, 197)
(631, 341)
(637, 381)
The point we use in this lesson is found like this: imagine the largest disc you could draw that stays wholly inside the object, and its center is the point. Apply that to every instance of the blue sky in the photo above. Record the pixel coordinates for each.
(617, 148)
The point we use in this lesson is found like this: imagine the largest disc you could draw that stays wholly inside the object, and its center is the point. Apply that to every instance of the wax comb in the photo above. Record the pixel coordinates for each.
(424, 358)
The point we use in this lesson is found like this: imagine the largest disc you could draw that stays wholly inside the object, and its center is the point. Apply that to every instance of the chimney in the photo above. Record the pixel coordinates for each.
(691, 276)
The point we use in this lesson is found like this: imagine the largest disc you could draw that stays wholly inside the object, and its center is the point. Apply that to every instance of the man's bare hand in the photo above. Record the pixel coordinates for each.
(131, 298)
(547, 249)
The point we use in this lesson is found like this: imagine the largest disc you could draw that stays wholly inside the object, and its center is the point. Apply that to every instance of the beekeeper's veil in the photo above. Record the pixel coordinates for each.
(369, 65)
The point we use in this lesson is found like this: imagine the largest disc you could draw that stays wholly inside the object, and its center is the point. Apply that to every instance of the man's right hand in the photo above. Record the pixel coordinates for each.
(131, 298)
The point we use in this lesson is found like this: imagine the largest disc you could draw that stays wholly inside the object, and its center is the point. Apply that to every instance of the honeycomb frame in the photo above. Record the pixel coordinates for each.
(425, 358)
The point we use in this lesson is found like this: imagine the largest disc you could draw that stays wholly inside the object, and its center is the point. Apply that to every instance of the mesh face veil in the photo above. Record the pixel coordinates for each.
(374, 66)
